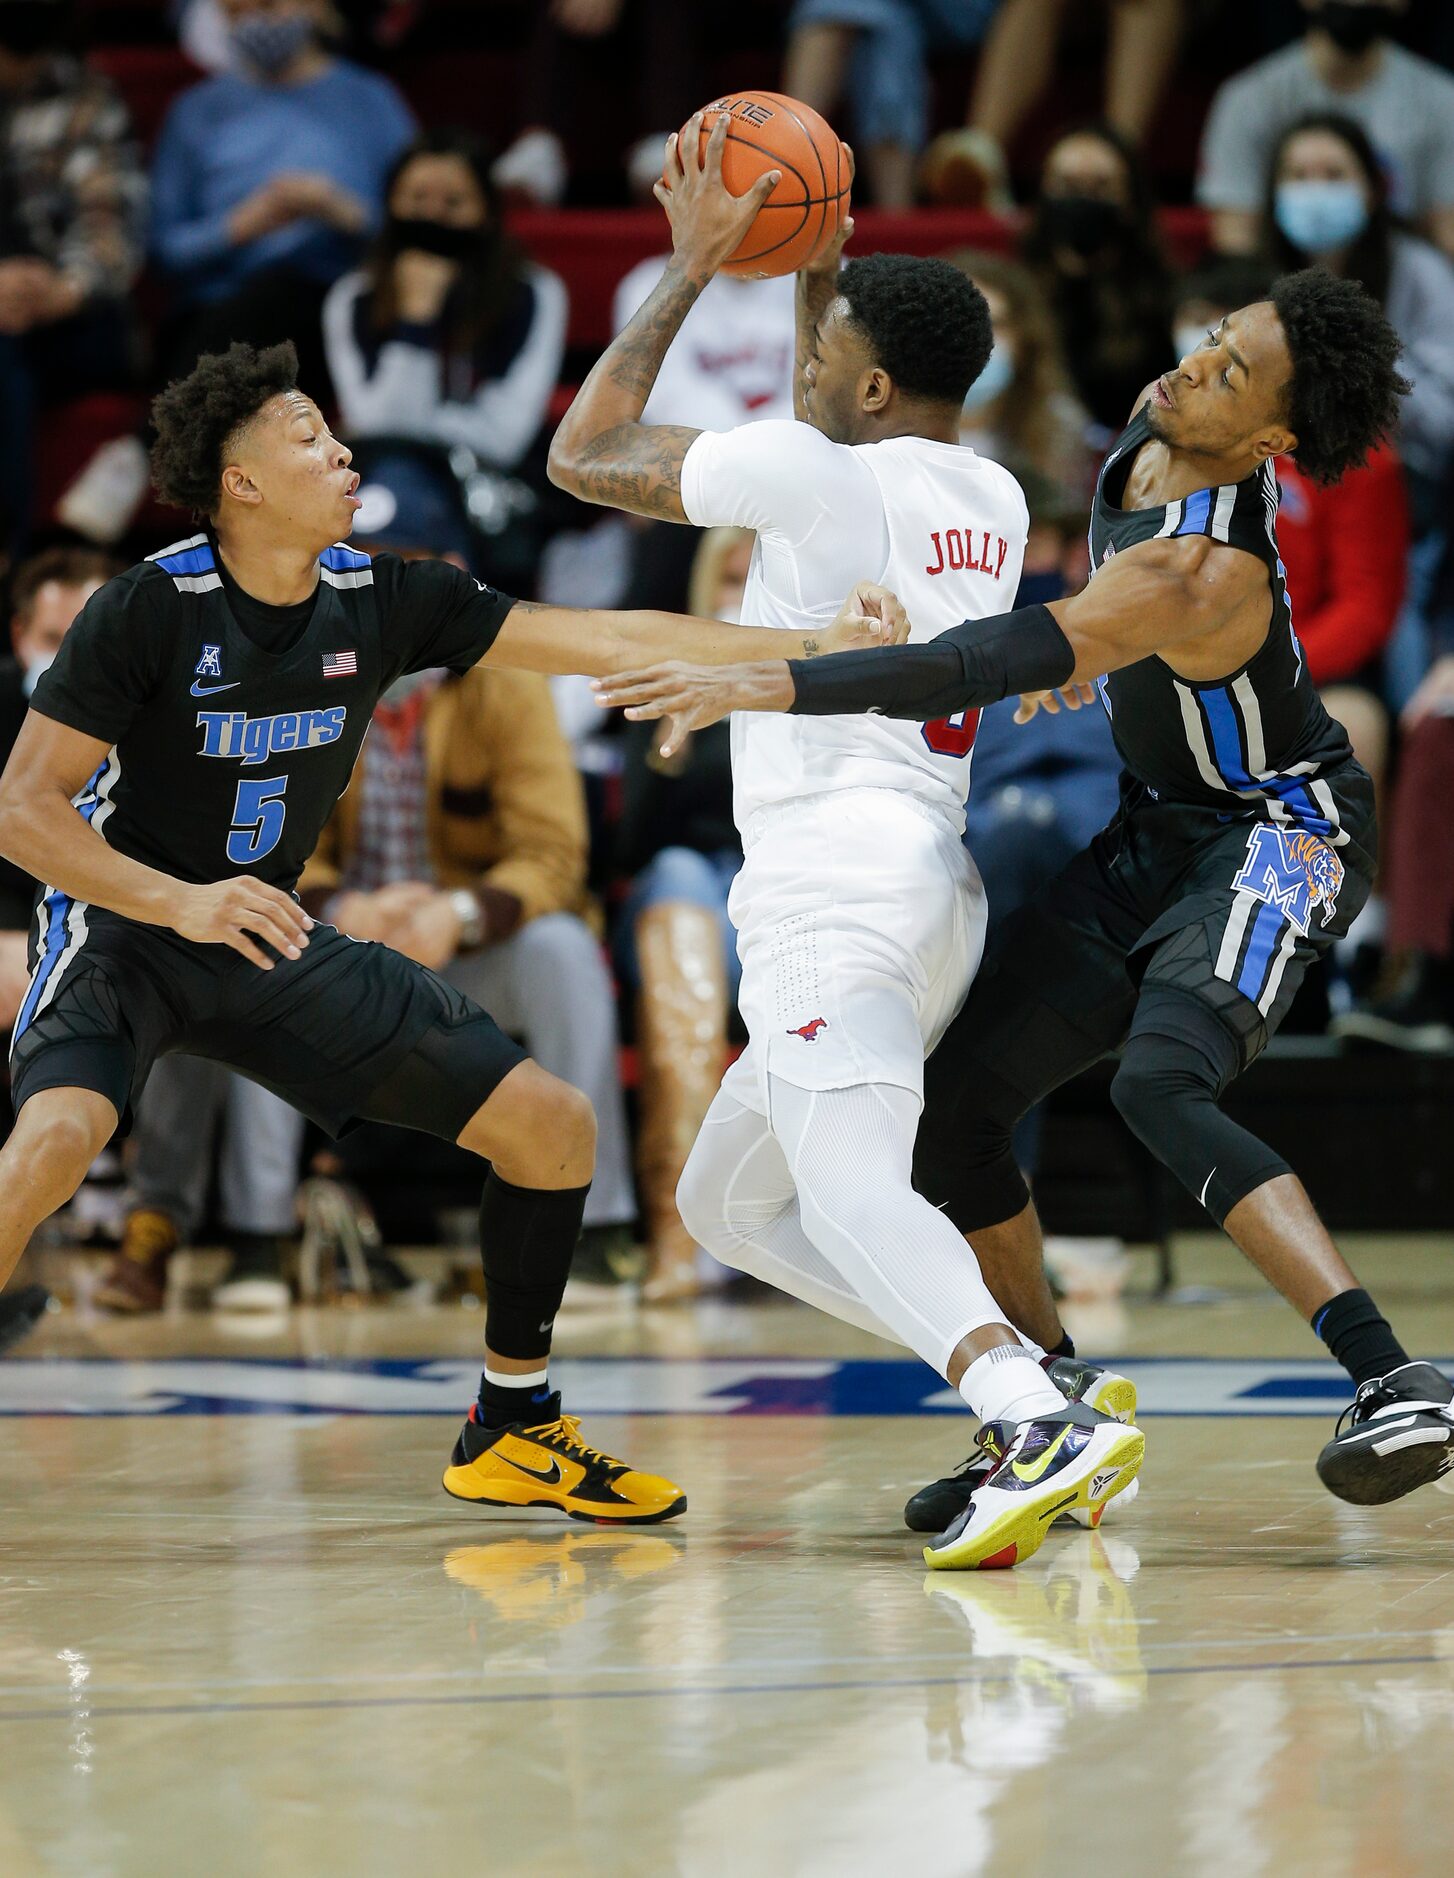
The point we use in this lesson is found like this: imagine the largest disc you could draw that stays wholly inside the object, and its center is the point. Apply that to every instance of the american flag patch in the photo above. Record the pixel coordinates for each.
(340, 664)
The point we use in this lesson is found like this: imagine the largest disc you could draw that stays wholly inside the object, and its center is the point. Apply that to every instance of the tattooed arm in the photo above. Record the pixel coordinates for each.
(816, 288)
(602, 451)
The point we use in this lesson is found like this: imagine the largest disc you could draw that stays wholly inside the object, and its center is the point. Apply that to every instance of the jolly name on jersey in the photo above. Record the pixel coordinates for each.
(954, 552)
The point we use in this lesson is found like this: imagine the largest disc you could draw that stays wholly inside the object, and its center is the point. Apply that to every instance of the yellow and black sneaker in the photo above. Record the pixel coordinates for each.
(547, 1465)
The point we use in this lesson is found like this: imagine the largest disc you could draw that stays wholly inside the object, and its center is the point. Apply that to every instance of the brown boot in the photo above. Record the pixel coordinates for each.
(136, 1279)
(682, 1038)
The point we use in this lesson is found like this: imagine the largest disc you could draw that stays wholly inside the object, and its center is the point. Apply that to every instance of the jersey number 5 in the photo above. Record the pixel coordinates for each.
(952, 736)
(257, 820)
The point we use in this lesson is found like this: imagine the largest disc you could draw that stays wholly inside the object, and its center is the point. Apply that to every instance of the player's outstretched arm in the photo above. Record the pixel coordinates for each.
(602, 452)
(1152, 598)
(41, 833)
(556, 639)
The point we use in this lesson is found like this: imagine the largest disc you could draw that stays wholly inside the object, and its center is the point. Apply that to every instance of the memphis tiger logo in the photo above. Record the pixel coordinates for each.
(1297, 873)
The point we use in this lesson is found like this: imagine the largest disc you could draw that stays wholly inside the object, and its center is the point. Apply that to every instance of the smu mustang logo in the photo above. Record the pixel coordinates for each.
(251, 740)
(809, 1032)
(1294, 872)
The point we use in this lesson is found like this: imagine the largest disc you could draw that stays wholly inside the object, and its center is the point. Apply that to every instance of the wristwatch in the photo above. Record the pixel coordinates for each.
(471, 919)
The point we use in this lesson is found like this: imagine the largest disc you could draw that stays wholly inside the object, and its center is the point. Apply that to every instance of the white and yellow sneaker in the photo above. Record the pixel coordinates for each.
(1056, 1464)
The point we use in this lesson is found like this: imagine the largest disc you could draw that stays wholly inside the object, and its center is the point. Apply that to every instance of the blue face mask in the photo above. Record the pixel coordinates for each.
(1320, 217)
(270, 45)
(993, 381)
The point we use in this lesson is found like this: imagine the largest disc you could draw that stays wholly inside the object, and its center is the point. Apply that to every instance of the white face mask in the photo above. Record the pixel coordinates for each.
(1187, 339)
(34, 670)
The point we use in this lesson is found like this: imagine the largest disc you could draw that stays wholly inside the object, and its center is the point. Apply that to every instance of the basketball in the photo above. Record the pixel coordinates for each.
(766, 131)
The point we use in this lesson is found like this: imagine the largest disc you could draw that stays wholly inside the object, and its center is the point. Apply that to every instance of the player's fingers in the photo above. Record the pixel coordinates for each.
(663, 195)
(675, 162)
(240, 942)
(1088, 693)
(1026, 709)
(847, 150)
(261, 921)
(1070, 697)
(289, 909)
(763, 188)
(710, 160)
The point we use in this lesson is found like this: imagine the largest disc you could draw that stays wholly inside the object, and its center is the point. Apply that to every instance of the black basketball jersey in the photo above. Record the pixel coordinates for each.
(1259, 739)
(226, 758)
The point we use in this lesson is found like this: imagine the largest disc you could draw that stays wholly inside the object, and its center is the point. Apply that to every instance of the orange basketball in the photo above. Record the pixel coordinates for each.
(766, 131)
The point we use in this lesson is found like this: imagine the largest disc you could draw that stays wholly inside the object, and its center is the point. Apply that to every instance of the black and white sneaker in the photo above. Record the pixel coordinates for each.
(1399, 1435)
(936, 1507)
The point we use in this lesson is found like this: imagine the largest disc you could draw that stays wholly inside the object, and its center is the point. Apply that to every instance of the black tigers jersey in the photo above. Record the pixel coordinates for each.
(1259, 740)
(226, 758)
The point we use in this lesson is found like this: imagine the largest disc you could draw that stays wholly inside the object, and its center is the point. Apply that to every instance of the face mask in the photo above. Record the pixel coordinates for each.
(28, 27)
(442, 238)
(1187, 339)
(1319, 217)
(34, 670)
(270, 45)
(994, 381)
(1351, 28)
(1084, 224)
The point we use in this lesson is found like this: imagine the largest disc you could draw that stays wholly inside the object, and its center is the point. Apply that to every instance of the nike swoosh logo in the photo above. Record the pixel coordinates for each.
(1202, 1196)
(552, 1479)
(1037, 1467)
(206, 691)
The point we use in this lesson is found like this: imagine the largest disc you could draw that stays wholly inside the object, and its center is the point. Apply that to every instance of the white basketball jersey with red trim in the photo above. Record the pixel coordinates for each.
(941, 526)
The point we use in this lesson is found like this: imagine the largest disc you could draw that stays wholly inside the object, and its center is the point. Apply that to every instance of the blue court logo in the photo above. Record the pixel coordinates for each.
(1293, 871)
(210, 663)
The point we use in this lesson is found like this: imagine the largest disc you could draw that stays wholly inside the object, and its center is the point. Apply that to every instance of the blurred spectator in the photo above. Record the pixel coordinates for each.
(185, 1103)
(676, 947)
(1039, 793)
(447, 334)
(1325, 204)
(877, 53)
(1016, 66)
(1417, 1013)
(46, 594)
(462, 843)
(1092, 242)
(1346, 62)
(1020, 410)
(72, 198)
(266, 181)
(732, 361)
(562, 61)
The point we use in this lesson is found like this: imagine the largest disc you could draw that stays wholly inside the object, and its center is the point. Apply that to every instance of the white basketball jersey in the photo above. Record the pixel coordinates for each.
(941, 526)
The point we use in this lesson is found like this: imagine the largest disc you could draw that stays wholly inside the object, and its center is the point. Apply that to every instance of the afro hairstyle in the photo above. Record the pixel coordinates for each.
(926, 322)
(196, 417)
(1345, 388)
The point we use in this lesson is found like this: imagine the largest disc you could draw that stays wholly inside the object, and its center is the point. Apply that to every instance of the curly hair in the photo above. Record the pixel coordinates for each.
(196, 417)
(927, 323)
(1345, 387)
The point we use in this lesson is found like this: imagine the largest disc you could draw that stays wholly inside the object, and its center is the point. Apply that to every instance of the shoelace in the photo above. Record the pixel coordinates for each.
(1363, 1405)
(566, 1432)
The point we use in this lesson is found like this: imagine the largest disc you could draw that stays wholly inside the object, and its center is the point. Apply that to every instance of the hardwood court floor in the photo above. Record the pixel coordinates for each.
(261, 1641)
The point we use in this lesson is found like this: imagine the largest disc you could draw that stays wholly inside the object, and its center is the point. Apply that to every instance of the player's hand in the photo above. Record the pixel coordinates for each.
(871, 616)
(238, 912)
(708, 223)
(690, 697)
(430, 936)
(1071, 696)
(382, 914)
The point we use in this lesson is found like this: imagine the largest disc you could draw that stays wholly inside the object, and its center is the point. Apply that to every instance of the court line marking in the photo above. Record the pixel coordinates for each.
(690, 1691)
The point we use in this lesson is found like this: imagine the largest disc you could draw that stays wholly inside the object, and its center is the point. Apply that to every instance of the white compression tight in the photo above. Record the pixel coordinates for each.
(821, 1204)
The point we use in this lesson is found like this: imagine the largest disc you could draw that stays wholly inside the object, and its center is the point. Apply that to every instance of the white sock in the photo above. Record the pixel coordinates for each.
(529, 1379)
(1005, 1385)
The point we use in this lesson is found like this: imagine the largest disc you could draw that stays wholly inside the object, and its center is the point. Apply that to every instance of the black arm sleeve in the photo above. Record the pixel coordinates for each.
(978, 662)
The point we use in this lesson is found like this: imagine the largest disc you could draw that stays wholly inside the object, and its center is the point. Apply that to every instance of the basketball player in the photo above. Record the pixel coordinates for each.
(203, 717)
(859, 914)
(1243, 849)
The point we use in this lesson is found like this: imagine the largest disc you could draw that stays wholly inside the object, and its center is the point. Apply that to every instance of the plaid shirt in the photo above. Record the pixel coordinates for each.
(393, 822)
(72, 185)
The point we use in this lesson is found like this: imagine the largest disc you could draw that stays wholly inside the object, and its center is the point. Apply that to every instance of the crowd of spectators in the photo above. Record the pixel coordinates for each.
(555, 868)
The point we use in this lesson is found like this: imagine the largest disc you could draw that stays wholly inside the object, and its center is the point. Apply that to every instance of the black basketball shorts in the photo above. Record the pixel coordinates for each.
(324, 1031)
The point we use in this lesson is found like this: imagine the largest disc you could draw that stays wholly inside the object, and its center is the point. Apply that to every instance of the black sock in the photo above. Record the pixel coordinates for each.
(1358, 1335)
(527, 1240)
(501, 1403)
(1064, 1348)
